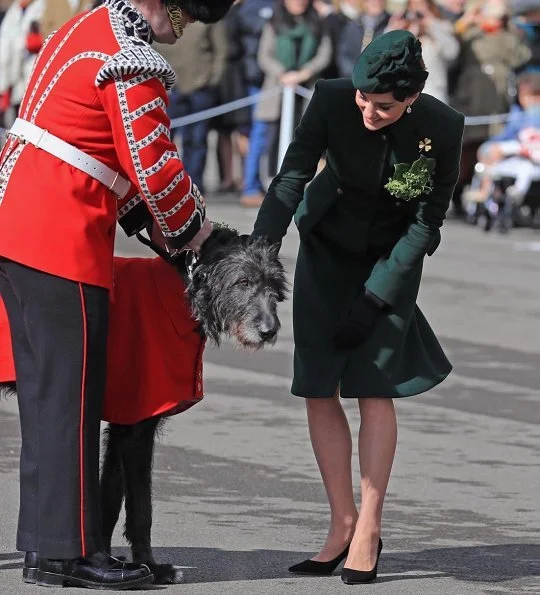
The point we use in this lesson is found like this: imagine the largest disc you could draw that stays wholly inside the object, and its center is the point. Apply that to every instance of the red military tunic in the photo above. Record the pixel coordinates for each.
(154, 350)
(104, 91)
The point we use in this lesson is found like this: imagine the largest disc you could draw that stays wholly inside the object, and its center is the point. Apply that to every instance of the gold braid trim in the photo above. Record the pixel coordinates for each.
(177, 19)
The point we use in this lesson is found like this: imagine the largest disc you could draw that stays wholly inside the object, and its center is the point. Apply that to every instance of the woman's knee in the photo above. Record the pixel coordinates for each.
(320, 404)
(374, 406)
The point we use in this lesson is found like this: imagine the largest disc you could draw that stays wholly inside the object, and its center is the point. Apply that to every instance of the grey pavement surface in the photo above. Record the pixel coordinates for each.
(237, 496)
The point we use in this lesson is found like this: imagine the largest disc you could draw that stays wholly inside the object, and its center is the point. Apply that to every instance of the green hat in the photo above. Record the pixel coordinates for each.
(391, 62)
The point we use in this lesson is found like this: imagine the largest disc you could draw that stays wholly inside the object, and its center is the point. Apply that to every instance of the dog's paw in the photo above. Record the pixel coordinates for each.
(166, 574)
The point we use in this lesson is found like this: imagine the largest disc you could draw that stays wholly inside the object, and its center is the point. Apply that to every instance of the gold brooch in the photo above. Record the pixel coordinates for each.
(425, 145)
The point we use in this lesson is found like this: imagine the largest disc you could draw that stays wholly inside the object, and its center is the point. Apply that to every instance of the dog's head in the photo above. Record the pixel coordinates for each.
(235, 288)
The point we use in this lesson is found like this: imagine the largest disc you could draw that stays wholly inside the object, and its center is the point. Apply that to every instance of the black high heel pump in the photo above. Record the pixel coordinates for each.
(314, 568)
(357, 577)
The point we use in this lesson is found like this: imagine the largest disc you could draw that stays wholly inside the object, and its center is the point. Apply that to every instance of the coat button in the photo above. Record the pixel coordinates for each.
(398, 203)
(339, 191)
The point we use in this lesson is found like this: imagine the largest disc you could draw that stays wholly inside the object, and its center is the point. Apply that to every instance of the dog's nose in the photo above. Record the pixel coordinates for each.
(267, 333)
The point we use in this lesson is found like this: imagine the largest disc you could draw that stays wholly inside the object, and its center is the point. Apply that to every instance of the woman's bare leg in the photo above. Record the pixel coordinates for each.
(332, 444)
(376, 445)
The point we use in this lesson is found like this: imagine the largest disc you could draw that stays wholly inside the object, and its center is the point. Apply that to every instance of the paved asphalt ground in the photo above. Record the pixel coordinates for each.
(237, 496)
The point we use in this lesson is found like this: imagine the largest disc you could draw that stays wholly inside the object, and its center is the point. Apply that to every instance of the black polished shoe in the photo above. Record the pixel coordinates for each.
(30, 567)
(357, 577)
(314, 568)
(98, 571)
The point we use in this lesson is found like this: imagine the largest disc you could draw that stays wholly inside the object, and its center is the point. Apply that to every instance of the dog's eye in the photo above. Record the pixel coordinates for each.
(243, 282)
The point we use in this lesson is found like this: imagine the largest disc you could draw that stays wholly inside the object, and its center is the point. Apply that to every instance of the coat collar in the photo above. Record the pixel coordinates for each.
(405, 126)
(133, 16)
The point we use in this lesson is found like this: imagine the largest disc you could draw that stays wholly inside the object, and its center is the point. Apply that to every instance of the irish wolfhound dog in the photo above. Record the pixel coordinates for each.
(233, 290)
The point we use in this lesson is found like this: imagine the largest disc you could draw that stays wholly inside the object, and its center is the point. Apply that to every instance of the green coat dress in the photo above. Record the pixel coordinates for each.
(354, 233)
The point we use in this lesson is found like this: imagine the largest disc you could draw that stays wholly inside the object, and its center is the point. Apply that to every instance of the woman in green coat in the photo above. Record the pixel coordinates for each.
(366, 222)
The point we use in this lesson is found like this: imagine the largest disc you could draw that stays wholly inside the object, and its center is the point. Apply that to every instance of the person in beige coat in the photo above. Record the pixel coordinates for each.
(491, 51)
(58, 12)
(277, 72)
(294, 50)
(199, 65)
(440, 47)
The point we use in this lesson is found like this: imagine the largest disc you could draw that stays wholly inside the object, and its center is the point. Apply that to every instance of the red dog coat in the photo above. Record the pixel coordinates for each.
(154, 351)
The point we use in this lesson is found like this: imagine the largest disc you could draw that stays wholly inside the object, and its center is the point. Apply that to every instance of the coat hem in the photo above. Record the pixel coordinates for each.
(417, 388)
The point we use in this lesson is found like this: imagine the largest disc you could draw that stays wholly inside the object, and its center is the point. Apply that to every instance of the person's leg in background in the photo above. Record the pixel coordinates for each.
(258, 143)
(178, 108)
(225, 160)
(273, 147)
(195, 136)
(468, 161)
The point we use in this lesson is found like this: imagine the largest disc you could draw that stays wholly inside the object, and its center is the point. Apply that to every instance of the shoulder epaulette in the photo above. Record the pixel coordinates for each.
(135, 60)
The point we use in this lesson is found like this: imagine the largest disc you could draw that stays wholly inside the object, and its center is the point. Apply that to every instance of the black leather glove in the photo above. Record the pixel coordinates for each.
(358, 324)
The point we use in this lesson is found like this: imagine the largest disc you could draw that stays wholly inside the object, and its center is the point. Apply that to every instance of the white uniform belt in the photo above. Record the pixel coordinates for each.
(42, 139)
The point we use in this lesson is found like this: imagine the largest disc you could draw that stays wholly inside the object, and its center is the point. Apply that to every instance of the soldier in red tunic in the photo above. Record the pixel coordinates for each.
(91, 147)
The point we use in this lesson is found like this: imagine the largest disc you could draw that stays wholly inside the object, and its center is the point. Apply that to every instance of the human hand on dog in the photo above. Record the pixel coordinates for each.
(202, 235)
(358, 324)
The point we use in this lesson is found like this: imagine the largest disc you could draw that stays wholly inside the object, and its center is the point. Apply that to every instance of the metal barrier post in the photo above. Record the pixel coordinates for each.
(286, 129)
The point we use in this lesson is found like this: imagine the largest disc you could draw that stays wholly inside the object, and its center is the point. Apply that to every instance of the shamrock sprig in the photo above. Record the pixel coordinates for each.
(412, 180)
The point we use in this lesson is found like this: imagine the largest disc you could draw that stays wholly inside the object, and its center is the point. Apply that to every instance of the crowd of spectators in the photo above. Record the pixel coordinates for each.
(475, 52)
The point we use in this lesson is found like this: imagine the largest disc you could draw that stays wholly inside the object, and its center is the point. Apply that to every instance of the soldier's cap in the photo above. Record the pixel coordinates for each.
(205, 11)
(391, 62)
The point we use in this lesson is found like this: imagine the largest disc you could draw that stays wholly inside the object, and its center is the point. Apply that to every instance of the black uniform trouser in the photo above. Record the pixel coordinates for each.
(59, 334)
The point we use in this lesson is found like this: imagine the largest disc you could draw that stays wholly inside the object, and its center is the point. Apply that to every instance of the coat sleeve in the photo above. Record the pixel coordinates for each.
(299, 166)
(136, 107)
(321, 59)
(266, 56)
(390, 275)
(446, 43)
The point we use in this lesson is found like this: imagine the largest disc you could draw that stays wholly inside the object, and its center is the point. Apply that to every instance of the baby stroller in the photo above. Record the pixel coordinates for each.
(490, 201)
(493, 207)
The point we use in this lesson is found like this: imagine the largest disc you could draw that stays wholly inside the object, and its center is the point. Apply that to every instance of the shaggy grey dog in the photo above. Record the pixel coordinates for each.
(233, 289)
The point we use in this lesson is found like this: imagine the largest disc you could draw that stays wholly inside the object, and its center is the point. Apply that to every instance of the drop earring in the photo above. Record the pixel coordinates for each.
(409, 109)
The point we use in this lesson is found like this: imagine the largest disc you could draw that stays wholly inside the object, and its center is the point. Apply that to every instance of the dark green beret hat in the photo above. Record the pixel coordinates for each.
(391, 62)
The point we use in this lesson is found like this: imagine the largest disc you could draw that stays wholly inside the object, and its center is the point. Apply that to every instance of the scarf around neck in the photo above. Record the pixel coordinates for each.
(296, 46)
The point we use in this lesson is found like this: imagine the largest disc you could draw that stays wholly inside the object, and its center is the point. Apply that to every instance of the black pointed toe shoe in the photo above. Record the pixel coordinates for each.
(358, 577)
(30, 567)
(98, 571)
(314, 568)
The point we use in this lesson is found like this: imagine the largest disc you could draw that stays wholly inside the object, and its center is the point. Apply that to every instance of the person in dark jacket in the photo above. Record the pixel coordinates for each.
(359, 32)
(232, 127)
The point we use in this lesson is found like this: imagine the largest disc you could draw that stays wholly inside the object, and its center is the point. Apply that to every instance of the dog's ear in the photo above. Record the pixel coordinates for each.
(220, 239)
(274, 250)
(222, 235)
